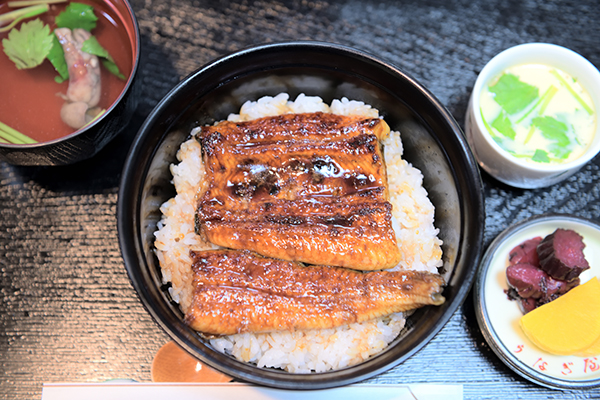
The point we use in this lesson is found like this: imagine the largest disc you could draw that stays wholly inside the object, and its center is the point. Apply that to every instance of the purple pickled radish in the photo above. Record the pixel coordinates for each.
(528, 280)
(561, 255)
(525, 253)
(556, 288)
(534, 287)
(527, 305)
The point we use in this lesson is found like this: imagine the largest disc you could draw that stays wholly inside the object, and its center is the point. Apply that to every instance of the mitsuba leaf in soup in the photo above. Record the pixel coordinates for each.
(56, 56)
(92, 46)
(29, 46)
(77, 15)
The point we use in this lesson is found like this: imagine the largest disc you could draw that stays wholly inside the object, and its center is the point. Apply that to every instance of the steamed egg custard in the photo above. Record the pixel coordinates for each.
(539, 114)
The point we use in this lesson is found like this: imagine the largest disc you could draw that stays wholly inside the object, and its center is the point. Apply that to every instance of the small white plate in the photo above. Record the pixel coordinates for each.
(498, 316)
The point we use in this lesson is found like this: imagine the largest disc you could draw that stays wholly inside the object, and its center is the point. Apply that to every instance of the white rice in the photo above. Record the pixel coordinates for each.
(312, 350)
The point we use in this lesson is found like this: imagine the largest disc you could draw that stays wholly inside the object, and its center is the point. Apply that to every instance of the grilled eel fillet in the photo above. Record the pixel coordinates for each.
(300, 187)
(239, 291)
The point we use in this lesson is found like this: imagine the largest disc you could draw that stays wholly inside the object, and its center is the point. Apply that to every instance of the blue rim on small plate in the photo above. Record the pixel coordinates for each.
(498, 316)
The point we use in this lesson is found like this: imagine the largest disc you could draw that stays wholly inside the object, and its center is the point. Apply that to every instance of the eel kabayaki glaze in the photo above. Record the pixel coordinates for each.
(308, 187)
(239, 291)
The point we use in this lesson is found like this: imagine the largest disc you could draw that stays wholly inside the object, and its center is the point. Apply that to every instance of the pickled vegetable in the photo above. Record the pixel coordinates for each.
(561, 255)
(568, 325)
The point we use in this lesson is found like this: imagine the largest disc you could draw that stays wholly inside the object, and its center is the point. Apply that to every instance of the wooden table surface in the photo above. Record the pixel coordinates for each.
(68, 311)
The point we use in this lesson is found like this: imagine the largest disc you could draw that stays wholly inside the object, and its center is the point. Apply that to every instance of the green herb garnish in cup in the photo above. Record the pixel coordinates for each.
(553, 128)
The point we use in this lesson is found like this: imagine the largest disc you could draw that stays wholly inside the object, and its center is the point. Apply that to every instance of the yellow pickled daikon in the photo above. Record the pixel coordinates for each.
(568, 325)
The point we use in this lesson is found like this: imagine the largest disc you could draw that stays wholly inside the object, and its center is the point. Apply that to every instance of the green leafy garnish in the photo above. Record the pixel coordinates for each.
(555, 131)
(572, 91)
(24, 3)
(10, 135)
(14, 17)
(529, 134)
(56, 56)
(552, 129)
(92, 46)
(512, 94)
(503, 125)
(489, 128)
(110, 65)
(28, 47)
(542, 102)
(540, 156)
(77, 15)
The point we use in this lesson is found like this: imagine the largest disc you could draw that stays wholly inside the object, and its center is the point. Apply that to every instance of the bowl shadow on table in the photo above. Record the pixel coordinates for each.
(102, 171)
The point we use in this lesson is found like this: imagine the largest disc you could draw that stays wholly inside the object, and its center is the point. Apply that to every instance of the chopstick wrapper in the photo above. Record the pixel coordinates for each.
(196, 391)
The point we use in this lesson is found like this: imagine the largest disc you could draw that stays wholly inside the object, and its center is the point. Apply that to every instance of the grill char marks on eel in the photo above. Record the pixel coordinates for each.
(306, 187)
(239, 291)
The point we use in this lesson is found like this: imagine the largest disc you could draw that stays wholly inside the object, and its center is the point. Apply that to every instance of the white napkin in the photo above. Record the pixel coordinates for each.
(206, 391)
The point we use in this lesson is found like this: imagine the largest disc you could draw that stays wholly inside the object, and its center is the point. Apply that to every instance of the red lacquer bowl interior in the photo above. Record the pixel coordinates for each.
(31, 99)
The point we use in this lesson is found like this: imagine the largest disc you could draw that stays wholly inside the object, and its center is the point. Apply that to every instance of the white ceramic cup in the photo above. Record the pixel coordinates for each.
(491, 157)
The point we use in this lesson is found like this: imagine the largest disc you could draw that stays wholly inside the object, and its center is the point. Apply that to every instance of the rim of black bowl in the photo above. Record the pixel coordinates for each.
(470, 195)
(134, 67)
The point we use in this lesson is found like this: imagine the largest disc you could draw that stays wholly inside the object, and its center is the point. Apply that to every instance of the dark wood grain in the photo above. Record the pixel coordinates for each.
(68, 311)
